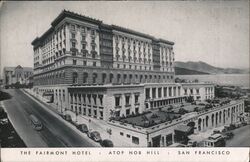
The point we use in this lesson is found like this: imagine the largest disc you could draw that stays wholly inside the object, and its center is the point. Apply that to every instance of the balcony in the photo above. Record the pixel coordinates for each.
(73, 40)
(93, 52)
(93, 43)
(83, 41)
(128, 105)
(73, 49)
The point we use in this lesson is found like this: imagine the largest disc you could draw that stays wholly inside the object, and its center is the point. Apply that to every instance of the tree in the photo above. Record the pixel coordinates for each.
(182, 111)
(196, 109)
(190, 99)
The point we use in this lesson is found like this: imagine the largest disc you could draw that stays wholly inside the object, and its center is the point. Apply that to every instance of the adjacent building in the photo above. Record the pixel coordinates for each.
(19, 74)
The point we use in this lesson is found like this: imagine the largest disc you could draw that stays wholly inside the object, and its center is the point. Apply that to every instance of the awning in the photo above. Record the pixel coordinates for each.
(48, 93)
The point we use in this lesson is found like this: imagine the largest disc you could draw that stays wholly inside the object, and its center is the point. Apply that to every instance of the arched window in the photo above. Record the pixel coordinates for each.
(103, 77)
(85, 77)
(111, 76)
(94, 77)
(118, 78)
(75, 77)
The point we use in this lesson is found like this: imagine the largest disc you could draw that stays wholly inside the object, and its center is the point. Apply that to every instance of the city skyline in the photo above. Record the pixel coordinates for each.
(216, 21)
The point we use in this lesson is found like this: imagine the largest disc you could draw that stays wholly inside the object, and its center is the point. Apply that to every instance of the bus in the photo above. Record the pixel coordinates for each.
(215, 140)
(36, 124)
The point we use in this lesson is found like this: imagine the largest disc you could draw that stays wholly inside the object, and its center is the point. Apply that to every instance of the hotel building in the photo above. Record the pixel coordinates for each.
(106, 71)
(82, 59)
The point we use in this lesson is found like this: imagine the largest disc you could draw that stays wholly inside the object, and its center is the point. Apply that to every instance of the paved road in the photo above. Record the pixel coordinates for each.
(56, 131)
(241, 137)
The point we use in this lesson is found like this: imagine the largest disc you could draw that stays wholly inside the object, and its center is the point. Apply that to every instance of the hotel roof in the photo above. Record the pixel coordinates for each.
(80, 17)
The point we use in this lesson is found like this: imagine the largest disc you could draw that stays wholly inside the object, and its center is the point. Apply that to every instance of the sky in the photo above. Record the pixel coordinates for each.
(216, 32)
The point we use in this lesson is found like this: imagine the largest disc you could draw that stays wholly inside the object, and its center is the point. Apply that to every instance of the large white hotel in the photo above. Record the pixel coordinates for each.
(105, 71)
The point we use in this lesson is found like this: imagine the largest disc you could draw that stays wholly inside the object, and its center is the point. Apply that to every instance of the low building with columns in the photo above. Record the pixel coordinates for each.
(164, 133)
(199, 91)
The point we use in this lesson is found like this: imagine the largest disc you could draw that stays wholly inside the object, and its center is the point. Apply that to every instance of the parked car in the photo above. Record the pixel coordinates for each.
(232, 127)
(83, 128)
(67, 117)
(229, 135)
(107, 143)
(192, 143)
(216, 131)
(95, 135)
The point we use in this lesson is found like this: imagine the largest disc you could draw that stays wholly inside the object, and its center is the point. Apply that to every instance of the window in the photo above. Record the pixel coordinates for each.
(185, 91)
(94, 99)
(111, 78)
(127, 99)
(83, 38)
(147, 93)
(94, 63)
(191, 91)
(101, 99)
(117, 101)
(92, 32)
(170, 91)
(128, 135)
(73, 35)
(94, 77)
(124, 66)
(75, 77)
(118, 65)
(121, 133)
(136, 99)
(93, 47)
(197, 91)
(74, 62)
(73, 45)
(159, 92)
(127, 111)
(135, 140)
(154, 93)
(137, 110)
(83, 46)
(165, 92)
(84, 63)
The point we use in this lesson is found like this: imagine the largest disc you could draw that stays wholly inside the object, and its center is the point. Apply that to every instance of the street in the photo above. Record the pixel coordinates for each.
(55, 133)
(241, 137)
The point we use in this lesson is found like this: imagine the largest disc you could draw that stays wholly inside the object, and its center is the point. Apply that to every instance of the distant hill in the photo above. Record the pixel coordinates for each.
(206, 68)
(183, 71)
